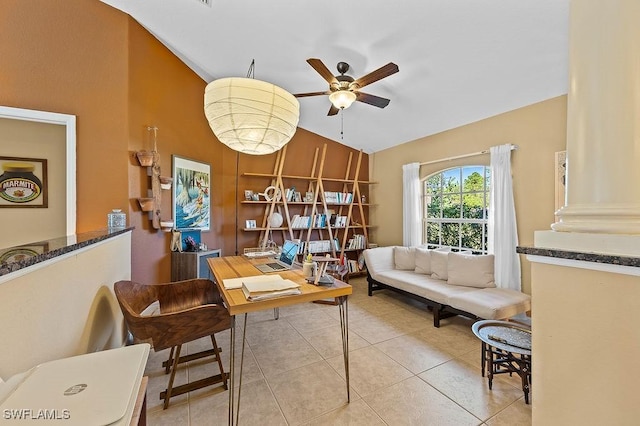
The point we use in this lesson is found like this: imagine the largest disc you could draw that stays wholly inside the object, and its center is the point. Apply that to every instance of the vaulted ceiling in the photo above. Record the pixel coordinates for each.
(460, 60)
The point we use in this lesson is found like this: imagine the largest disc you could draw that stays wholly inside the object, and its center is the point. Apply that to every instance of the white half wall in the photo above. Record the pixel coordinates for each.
(64, 307)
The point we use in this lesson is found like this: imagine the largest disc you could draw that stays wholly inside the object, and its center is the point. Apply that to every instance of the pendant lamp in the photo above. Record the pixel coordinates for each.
(249, 115)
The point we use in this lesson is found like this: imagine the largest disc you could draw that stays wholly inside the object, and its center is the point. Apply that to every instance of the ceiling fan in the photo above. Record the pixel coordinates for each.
(344, 89)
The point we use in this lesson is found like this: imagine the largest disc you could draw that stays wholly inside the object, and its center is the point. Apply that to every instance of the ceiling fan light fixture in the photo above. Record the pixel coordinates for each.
(342, 99)
(251, 116)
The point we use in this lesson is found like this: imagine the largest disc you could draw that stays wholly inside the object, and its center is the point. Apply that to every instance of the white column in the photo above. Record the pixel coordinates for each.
(603, 119)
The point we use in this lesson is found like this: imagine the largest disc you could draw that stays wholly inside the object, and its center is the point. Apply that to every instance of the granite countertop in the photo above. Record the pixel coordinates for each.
(13, 259)
(583, 256)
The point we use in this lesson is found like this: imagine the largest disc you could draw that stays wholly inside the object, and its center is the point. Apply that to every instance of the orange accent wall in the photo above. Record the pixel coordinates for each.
(87, 59)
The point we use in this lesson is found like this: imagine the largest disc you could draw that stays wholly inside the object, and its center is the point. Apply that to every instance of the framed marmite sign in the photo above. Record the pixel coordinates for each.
(23, 182)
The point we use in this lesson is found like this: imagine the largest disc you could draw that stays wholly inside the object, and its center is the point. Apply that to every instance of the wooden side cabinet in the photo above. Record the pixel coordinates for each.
(191, 264)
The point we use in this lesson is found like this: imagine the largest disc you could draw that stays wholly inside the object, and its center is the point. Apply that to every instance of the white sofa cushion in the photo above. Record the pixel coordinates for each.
(491, 303)
(470, 270)
(378, 260)
(422, 285)
(423, 261)
(404, 258)
(439, 268)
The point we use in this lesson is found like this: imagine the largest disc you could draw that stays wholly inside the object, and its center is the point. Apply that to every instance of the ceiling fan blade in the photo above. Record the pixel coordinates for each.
(304, 95)
(333, 110)
(372, 99)
(322, 69)
(380, 73)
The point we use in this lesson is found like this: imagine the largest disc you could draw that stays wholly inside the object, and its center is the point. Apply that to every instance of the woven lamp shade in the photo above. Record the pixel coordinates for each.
(251, 116)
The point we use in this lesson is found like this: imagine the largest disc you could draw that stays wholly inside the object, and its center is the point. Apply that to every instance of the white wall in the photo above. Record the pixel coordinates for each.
(65, 307)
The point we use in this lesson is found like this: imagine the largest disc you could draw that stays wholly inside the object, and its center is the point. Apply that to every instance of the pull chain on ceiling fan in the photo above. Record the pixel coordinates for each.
(344, 89)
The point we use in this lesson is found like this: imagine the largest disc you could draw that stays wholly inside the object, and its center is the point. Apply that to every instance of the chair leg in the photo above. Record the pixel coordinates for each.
(168, 363)
(216, 350)
(167, 392)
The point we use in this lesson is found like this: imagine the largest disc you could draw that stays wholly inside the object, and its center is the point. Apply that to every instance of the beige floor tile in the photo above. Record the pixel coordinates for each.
(307, 392)
(257, 407)
(312, 321)
(158, 382)
(284, 354)
(354, 313)
(377, 305)
(450, 339)
(414, 402)
(414, 353)
(370, 370)
(462, 383)
(407, 321)
(176, 414)
(375, 330)
(328, 341)
(356, 413)
(517, 414)
(267, 331)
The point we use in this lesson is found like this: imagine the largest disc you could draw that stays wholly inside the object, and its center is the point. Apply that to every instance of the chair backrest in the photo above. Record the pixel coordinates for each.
(189, 310)
(133, 299)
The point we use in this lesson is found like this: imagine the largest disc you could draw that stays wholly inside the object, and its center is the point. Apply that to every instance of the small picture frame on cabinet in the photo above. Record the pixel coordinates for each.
(250, 224)
(297, 198)
(248, 194)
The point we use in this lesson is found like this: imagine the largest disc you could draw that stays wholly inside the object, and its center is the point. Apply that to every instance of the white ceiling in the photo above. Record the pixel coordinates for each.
(460, 60)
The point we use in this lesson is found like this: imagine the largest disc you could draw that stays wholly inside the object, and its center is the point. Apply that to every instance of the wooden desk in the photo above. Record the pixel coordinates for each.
(239, 266)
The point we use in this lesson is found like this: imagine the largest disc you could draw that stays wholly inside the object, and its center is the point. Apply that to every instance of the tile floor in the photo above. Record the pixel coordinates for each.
(403, 371)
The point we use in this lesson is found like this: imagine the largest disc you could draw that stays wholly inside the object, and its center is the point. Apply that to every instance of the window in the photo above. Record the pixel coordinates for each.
(455, 207)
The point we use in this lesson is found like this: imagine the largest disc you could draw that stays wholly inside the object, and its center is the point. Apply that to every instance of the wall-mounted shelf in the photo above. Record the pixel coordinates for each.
(152, 204)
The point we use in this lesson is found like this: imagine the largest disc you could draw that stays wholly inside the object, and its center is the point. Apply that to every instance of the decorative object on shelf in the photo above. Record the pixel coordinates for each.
(165, 182)
(249, 115)
(191, 196)
(250, 224)
(190, 239)
(248, 194)
(116, 219)
(270, 193)
(191, 244)
(176, 244)
(145, 158)
(275, 220)
(146, 204)
(166, 225)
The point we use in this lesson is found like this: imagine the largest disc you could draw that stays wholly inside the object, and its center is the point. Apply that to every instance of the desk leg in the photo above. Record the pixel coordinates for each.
(343, 306)
(234, 410)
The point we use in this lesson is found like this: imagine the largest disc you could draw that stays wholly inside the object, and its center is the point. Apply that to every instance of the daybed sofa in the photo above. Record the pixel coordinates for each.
(450, 283)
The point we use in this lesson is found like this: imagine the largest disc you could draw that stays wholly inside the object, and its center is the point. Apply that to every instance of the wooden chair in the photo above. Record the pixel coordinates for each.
(189, 310)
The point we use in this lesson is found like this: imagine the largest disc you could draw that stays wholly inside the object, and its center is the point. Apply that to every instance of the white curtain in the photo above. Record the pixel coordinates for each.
(411, 217)
(503, 233)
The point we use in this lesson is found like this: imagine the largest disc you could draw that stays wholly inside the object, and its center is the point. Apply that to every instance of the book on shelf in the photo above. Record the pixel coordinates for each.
(332, 197)
(357, 242)
(255, 290)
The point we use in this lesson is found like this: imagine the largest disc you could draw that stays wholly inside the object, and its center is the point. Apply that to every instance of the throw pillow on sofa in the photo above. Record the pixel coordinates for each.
(404, 258)
(423, 261)
(439, 268)
(470, 270)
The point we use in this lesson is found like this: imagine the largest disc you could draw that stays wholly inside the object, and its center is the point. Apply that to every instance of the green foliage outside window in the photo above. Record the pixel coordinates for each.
(456, 208)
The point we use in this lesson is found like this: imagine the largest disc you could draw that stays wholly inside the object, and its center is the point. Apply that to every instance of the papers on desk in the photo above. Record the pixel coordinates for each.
(255, 290)
(233, 283)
